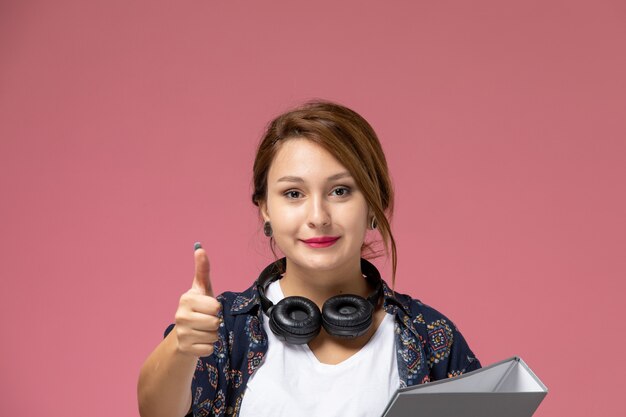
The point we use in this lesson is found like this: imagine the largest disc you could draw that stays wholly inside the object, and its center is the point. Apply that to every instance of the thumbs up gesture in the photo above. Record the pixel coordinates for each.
(196, 317)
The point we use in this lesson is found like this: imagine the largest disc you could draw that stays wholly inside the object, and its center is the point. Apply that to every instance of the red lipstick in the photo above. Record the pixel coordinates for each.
(321, 242)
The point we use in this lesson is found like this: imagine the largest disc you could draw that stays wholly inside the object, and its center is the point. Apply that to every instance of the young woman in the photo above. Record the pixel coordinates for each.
(319, 333)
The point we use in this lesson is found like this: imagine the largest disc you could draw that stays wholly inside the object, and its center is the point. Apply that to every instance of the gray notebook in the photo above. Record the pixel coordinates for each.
(504, 389)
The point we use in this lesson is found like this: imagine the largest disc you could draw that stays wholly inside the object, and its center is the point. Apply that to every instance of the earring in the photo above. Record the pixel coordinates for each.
(373, 224)
(267, 229)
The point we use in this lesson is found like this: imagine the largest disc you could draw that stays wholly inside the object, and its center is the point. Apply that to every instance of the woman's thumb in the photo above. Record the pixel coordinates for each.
(201, 278)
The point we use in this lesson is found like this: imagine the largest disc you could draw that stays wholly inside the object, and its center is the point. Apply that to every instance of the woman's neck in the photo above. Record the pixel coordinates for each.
(319, 285)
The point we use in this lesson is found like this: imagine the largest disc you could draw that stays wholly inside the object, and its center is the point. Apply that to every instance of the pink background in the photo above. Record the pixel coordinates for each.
(128, 131)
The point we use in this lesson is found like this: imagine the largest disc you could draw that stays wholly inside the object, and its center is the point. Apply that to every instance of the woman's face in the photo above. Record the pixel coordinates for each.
(310, 194)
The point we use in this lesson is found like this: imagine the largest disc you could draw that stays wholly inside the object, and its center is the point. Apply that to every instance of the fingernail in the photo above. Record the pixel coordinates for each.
(197, 246)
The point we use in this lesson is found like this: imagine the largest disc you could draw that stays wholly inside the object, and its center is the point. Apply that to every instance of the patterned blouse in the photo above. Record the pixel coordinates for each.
(428, 345)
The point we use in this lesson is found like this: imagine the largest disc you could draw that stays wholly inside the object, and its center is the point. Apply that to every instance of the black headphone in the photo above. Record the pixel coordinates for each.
(298, 320)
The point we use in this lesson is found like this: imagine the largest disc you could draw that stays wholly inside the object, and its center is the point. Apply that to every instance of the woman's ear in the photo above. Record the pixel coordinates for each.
(264, 212)
(370, 217)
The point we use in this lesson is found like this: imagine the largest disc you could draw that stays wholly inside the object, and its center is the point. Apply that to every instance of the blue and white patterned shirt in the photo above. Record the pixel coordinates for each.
(429, 347)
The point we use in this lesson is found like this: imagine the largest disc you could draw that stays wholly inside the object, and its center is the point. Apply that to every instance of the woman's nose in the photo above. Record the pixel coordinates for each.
(318, 214)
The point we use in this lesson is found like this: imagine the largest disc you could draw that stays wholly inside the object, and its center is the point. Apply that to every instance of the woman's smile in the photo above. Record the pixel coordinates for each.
(321, 242)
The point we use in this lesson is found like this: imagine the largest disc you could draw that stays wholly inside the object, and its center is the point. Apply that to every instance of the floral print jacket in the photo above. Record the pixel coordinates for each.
(428, 345)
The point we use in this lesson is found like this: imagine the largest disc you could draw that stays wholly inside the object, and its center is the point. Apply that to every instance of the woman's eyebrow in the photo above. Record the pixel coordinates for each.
(291, 178)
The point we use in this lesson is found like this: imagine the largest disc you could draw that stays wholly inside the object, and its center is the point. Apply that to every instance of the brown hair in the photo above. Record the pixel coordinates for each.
(350, 139)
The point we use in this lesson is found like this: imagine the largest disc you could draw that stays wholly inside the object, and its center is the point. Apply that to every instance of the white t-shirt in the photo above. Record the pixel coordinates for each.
(293, 382)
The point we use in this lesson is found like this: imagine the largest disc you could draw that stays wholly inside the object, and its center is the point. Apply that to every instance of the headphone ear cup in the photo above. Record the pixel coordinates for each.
(347, 315)
(296, 320)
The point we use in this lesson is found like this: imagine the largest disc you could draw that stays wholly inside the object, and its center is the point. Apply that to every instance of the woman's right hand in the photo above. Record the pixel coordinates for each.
(197, 318)
(163, 388)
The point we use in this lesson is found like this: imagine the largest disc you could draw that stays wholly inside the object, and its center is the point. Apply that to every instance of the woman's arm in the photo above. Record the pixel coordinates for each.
(164, 387)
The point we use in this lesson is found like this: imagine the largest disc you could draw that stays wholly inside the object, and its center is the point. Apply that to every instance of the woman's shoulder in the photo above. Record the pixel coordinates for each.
(448, 353)
(421, 313)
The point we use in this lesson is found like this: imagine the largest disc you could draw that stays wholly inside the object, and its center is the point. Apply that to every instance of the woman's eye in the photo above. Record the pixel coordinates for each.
(290, 194)
(344, 191)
